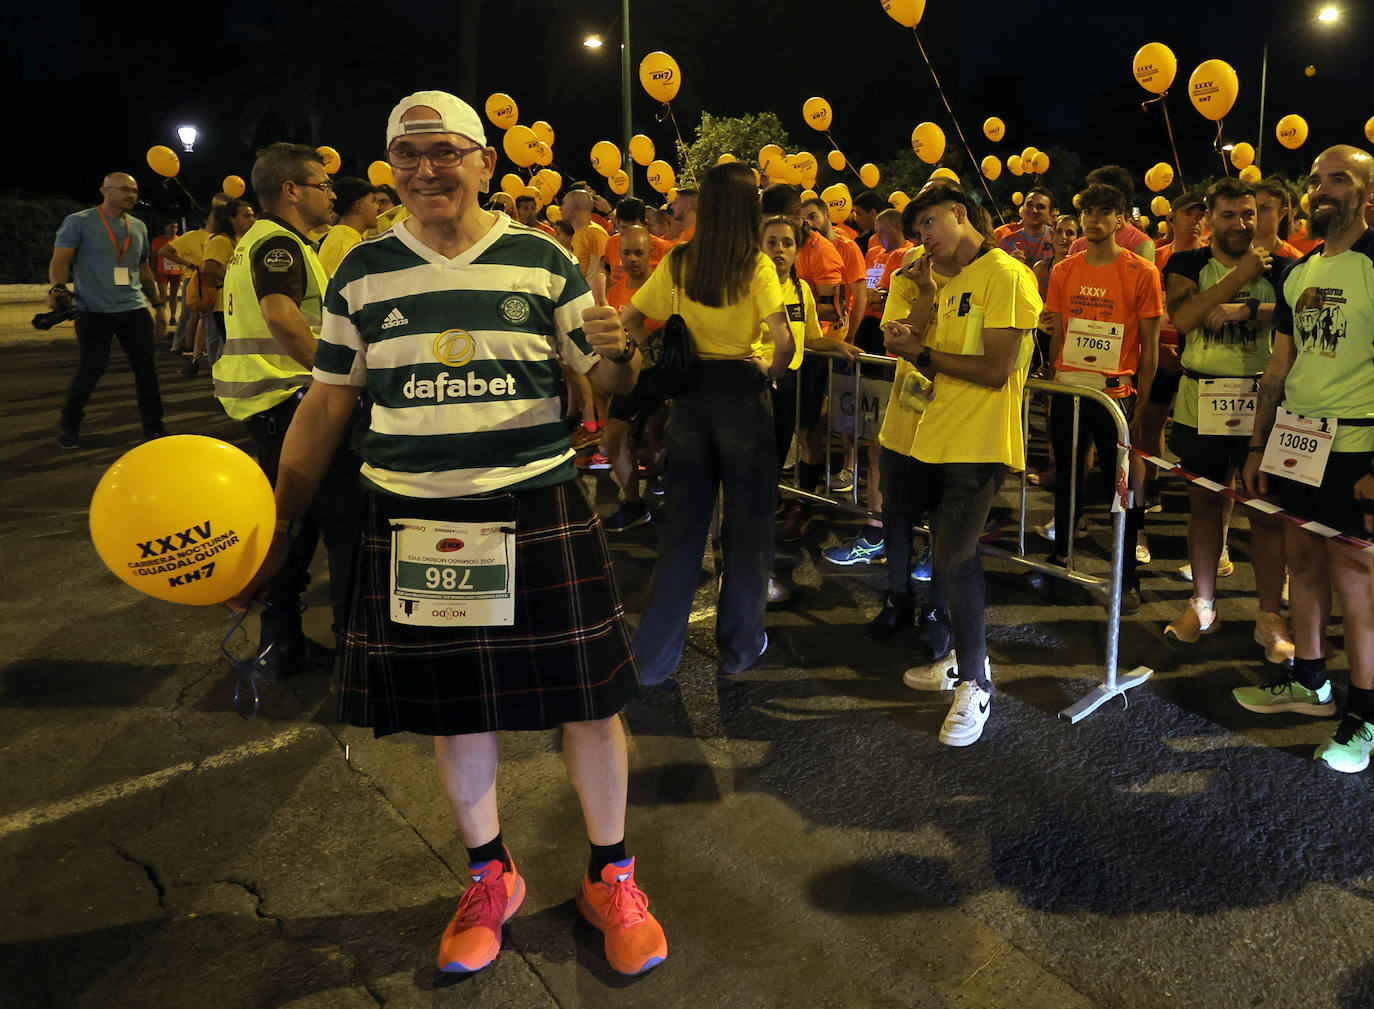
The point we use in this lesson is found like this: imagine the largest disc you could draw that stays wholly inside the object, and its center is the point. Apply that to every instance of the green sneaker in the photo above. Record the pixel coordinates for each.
(1286, 695)
(1348, 750)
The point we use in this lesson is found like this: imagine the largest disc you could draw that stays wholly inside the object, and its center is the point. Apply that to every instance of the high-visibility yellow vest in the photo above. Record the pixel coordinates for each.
(253, 374)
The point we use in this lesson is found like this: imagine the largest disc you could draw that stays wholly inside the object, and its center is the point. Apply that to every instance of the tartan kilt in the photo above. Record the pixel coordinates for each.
(566, 658)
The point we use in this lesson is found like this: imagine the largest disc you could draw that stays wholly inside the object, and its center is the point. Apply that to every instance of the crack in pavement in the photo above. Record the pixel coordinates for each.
(150, 871)
(181, 700)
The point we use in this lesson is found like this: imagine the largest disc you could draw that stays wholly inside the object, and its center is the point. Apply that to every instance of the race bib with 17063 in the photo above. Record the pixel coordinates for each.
(1298, 447)
(1094, 346)
(452, 574)
(1226, 405)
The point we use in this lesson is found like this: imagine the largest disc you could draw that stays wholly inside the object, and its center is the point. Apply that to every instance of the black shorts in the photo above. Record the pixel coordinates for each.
(639, 402)
(1333, 503)
(1213, 456)
(1165, 387)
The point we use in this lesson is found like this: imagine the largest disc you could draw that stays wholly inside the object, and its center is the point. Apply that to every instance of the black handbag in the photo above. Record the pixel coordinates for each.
(672, 356)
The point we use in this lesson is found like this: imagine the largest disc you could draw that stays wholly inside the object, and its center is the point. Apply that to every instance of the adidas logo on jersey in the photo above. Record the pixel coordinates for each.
(393, 319)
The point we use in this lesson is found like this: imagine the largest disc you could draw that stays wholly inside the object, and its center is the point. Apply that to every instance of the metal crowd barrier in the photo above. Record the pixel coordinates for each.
(868, 399)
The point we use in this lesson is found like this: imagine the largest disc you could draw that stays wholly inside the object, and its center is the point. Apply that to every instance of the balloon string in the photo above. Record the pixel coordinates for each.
(681, 144)
(1168, 125)
(1216, 146)
(973, 162)
(174, 181)
(847, 163)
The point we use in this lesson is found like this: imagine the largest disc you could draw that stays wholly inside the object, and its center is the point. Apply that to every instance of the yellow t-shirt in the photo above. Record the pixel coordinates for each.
(910, 389)
(190, 246)
(802, 319)
(970, 423)
(219, 249)
(386, 219)
(736, 330)
(340, 239)
(589, 245)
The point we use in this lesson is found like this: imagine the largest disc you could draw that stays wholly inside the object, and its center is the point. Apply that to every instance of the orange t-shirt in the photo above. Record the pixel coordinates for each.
(847, 231)
(588, 245)
(657, 248)
(619, 296)
(1302, 241)
(819, 264)
(889, 263)
(1123, 292)
(1004, 230)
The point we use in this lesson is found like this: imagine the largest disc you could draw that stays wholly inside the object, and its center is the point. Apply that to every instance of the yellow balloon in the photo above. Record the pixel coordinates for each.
(1251, 173)
(869, 175)
(726, 159)
(816, 112)
(808, 194)
(837, 201)
(1213, 88)
(905, 12)
(835, 160)
(1310, 70)
(928, 141)
(1369, 129)
(1159, 177)
(502, 111)
(994, 129)
(992, 168)
(1304, 204)
(1292, 131)
(188, 519)
(660, 77)
(758, 179)
(661, 176)
(605, 158)
(233, 186)
(1242, 155)
(379, 174)
(1028, 159)
(332, 161)
(553, 213)
(164, 161)
(1041, 163)
(521, 145)
(543, 154)
(1154, 67)
(1159, 206)
(1014, 164)
(512, 184)
(505, 200)
(1144, 221)
(543, 131)
(641, 149)
(620, 182)
(804, 166)
(670, 196)
(1017, 199)
(948, 174)
(1077, 201)
(768, 154)
(898, 199)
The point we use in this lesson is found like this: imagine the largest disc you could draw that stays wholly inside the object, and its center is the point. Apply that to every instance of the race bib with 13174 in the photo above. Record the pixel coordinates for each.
(1226, 405)
(1298, 447)
(452, 574)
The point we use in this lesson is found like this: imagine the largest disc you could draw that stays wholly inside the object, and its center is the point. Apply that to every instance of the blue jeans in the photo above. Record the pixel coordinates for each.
(720, 434)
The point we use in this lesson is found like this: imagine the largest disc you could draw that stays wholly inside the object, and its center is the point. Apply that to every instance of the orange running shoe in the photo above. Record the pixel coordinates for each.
(634, 938)
(473, 937)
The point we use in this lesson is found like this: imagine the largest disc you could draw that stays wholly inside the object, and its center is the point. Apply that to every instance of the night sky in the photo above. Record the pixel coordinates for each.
(90, 90)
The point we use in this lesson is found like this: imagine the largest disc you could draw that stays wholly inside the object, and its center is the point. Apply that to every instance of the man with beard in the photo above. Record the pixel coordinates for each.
(1315, 423)
(1222, 297)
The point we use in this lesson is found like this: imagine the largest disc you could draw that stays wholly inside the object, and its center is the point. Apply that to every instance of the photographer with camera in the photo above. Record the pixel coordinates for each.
(106, 251)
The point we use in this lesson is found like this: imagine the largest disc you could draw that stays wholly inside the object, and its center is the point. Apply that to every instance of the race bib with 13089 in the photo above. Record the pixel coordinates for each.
(1298, 447)
(1226, 405)
(452, 574)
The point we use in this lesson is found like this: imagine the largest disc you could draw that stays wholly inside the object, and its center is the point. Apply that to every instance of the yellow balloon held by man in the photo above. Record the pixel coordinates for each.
(905, 12)
(1212, 88)
(1291, 131)
(816, 112)
(1242, 155)
(188, 519)
(502, 111)
(1154, 67)
(163, 160)
(660, 77)
(233, 186)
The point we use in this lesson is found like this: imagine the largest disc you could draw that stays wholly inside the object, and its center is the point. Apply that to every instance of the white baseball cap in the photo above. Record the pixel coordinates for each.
(455, 116)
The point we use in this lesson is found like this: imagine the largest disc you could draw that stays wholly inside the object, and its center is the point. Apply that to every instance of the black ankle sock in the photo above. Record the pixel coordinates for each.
(872, 535)
(1311, 673)
(1360, 702)
(808, 475)
(493, 851)
(602, 856)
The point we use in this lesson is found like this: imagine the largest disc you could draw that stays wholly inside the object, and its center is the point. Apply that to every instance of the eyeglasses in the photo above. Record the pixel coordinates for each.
(440, 156)
(324, 187)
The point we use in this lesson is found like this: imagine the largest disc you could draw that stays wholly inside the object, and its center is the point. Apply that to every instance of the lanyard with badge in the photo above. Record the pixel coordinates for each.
(1226, 406)
(123, 276)
(1090, 345)
(1298, 447)
(455, 574)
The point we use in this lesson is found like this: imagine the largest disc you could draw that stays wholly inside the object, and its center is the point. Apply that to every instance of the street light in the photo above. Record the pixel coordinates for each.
(1327, 15)
(593, 42)
(596, 42)
(187, 135)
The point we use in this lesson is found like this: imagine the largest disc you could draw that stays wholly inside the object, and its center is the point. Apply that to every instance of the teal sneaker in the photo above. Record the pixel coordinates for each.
(1286, 695)
(859, 552)
(1348, 750)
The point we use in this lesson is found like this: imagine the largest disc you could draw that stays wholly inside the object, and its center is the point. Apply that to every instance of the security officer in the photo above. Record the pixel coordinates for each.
(273, 293)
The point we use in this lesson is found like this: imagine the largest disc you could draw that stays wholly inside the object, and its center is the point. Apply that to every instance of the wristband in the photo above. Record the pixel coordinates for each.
(923, 358)
(627, 355)
(292, 527)
(1253, 305)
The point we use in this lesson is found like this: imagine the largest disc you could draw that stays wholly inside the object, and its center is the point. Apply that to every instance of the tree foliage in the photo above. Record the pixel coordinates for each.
(741, 136)
(31, 223)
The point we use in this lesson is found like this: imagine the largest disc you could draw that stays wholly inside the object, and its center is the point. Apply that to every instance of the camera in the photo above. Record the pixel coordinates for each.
(47, 320)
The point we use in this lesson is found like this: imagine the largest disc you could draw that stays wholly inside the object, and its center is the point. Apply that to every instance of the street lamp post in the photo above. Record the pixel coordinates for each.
(596, 42)
(1327, 15)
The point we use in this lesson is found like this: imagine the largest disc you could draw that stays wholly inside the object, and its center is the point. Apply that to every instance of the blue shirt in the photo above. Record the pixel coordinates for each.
(93, 267)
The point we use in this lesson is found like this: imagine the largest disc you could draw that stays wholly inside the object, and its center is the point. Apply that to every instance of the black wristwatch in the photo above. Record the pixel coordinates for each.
(1253, 304)
(923, 358)
(627, 355)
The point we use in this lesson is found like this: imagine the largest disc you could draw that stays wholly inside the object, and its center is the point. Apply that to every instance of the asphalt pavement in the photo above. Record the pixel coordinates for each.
(802, 834)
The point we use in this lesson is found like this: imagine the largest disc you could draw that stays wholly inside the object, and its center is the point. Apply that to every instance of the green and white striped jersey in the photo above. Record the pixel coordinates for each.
(460, 357)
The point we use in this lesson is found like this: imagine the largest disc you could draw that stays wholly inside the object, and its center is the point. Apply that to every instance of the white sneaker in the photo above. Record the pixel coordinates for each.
(942, 674)
(967, 715)
(1142, 550)
(777, 591)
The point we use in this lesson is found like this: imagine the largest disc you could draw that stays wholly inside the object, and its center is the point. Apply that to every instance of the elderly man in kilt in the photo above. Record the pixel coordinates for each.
(483, 597)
